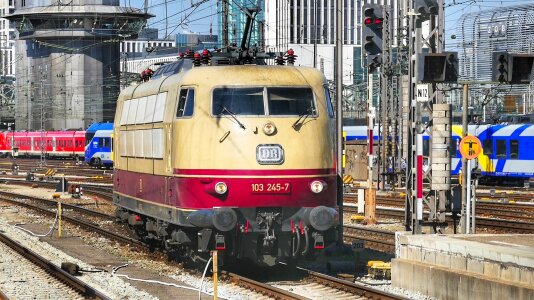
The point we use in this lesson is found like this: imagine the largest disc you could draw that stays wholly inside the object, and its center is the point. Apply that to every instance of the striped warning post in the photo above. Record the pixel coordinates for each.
(347, 179)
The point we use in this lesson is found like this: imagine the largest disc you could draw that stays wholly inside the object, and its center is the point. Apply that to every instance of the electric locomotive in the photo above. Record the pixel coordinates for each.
(238, 158)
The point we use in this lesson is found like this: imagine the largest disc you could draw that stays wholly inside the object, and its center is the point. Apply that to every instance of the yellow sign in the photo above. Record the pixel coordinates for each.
(470, 147)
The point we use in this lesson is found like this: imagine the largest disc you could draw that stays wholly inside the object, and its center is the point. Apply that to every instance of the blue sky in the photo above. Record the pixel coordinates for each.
(182, 18)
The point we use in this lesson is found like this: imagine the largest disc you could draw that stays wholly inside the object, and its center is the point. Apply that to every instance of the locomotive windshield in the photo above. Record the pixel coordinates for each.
(290, 101)
(281, 101)
(239, 101)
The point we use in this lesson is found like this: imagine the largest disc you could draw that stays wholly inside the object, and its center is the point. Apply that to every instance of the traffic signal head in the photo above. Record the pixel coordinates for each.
(520, 68)
(499, 70)
(426, 8)
(373, 19)
(438, 67)
(512, 68)
(372, 28)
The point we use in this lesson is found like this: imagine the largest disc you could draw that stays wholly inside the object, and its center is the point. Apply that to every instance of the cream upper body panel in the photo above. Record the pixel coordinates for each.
(207, 141)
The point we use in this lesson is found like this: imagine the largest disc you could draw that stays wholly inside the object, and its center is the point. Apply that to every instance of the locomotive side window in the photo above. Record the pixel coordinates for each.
(501, 149)
(239, 101)
(514, 149)
(329, 106)
(290, 101)
(186, 103)
(488, 147)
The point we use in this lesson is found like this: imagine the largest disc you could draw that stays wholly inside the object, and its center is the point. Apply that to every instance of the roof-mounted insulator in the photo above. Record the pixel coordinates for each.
(205, 57)
(279, 60)
(291, 57)
(189, 53)
(146, 74)
(196, 60)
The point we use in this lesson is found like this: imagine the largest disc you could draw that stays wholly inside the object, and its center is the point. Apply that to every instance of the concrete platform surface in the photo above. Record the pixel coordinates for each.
(502, 264)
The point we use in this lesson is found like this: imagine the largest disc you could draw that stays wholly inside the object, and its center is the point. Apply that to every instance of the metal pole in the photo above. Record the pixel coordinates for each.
(339, 112)
(315, 34)
(463, 222)
(215, 271)
(224, 25)
(370, 208)
(473, 211)
(468, 208)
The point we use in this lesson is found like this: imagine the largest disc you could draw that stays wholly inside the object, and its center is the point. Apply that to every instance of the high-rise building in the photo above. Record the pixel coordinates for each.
(237, 17)
(68, 73)
(299, 24)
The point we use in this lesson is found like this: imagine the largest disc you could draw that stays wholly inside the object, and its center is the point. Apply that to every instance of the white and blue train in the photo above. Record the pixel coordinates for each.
(99, 145)
(507, 150)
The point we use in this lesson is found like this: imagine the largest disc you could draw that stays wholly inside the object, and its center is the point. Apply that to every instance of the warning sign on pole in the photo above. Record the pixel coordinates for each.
(470, 147)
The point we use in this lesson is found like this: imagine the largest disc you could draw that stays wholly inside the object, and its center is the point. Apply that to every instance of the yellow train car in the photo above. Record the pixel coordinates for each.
(238, 158)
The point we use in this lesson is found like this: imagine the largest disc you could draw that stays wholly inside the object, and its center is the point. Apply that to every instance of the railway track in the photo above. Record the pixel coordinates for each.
(67, 167)
(74, 283)
(320, 281)
(376, 239)
(91, 227)
(496, 224)
(500, 210)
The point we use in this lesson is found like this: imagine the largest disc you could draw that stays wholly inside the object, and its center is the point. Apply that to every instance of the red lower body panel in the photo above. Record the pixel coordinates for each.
(284, 189)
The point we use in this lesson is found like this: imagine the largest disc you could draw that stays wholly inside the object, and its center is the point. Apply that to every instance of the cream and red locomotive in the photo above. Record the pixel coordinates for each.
(238, 158)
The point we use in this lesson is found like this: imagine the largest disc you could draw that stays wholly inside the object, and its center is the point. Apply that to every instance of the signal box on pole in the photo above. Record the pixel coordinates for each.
(438, 67)
(372, 23)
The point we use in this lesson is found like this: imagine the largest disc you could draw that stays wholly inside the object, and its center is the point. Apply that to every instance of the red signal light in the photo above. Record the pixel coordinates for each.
(368, 21)
(379, 21)
(196, 55)
(205, 52)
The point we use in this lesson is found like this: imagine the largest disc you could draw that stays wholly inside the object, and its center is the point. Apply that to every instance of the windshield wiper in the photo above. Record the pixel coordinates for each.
(303, 117)
(233, 115)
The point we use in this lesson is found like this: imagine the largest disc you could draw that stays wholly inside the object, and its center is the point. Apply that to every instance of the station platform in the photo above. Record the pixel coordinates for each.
(482, 266)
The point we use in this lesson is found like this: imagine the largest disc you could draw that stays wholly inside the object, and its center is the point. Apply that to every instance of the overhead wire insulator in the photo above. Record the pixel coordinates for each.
(205, 57)
(279, 60)
(189, 53)
(196, 60)
(291, 57)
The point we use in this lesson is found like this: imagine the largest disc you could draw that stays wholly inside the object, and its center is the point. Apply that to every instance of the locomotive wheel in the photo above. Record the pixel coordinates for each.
(97, 162)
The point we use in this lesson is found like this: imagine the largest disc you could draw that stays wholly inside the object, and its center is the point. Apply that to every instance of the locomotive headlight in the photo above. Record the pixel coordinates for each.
(317, 186)
(221, 188)
(269, 128)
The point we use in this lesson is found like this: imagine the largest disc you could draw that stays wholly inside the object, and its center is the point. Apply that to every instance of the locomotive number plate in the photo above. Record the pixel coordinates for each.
(271, 188)
(269, 154)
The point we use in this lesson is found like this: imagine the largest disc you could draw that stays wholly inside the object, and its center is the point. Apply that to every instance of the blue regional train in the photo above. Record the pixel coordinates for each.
(99, 145)
(507, 150)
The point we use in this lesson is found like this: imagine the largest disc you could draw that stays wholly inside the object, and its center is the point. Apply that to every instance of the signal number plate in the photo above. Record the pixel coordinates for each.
(269, 154)
(271, 188)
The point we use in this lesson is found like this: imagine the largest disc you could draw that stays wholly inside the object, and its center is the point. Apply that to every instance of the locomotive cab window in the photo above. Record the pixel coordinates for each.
(186, 103)
(290, 101)
(238, 101)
